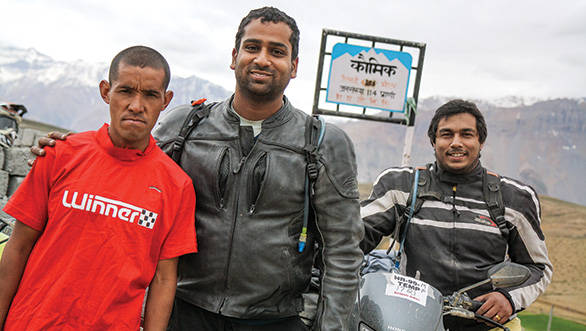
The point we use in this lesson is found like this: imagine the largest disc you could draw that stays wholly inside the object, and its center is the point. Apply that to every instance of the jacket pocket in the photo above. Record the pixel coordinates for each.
(256, 181)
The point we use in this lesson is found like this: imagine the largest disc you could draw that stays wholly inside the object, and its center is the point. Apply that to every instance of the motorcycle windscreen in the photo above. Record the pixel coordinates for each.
(389, 301)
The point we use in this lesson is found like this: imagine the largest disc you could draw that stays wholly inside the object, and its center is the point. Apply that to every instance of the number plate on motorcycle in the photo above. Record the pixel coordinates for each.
(407, 288)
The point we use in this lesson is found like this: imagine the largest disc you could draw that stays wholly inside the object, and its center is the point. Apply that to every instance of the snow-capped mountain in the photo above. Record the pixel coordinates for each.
(511, 101)
(66, 93)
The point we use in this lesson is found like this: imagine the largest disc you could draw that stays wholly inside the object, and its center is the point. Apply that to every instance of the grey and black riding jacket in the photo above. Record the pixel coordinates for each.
(452, 240)
(249, 215)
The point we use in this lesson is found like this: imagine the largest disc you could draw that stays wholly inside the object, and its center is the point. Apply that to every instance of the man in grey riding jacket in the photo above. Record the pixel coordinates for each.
(248, 165)
(453, 239)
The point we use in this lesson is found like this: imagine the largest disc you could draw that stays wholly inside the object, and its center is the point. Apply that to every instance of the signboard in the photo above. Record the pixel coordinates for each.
(369, 77)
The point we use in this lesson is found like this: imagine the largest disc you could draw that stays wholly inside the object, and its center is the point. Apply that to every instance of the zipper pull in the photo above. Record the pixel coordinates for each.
(237, 170)
(454, 210)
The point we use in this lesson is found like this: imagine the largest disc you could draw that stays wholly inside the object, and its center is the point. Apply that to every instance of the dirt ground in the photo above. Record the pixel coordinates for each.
(564, 226)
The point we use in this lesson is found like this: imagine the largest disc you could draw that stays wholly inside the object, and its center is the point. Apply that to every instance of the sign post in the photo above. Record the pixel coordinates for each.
(372, 82)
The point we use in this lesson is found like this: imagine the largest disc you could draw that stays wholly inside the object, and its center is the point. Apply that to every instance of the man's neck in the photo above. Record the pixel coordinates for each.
(120, 143)
(460, 177)
(255, 110)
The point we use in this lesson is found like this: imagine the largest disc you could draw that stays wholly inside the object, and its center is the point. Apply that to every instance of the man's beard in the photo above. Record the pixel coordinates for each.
(271, 92)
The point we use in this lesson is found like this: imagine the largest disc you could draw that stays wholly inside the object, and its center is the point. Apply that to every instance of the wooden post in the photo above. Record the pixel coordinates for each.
(550, 318)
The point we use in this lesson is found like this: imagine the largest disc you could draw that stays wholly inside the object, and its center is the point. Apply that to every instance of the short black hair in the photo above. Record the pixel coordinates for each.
(453, 107)
(140, 56)
(274, 15)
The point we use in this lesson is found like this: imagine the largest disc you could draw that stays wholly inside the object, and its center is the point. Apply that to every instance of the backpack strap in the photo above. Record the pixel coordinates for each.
(494, 200)
(315, 128)
(198, 111)
(419, 192)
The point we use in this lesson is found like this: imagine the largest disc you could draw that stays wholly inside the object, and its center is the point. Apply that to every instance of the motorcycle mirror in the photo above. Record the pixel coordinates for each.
(508, 274)
(505, 274)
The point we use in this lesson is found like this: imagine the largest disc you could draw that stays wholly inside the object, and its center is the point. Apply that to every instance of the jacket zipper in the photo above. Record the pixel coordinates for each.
(219, 193)
(251, 183)
(455, 214)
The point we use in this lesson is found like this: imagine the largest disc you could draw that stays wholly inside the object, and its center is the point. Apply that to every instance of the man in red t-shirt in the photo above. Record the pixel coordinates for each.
(102, 217)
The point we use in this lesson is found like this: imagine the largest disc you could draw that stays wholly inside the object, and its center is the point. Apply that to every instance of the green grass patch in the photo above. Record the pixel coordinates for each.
(532, 322)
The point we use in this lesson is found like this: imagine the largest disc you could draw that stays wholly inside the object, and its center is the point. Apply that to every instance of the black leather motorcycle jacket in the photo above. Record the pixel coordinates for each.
(249, 215)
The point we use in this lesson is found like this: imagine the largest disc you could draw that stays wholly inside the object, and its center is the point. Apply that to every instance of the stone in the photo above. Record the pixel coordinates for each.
(4, 177)
(16, 159)
(5, 217)
(26, 138)
(13, 183)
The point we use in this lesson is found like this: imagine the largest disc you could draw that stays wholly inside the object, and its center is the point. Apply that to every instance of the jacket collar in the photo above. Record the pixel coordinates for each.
(281, 116)
(449, 177)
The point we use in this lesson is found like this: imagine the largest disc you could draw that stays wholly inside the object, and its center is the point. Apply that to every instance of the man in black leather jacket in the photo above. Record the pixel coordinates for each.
(247, 163)
(452, 241)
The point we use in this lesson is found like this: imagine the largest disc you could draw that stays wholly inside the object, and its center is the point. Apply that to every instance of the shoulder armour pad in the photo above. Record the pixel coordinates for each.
(339, 161)
(168, 127)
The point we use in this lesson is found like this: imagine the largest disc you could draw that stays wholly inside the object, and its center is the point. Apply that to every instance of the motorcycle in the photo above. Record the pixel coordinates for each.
(392, 302)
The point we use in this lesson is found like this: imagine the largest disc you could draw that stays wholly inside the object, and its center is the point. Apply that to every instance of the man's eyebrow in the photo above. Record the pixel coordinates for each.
(252, 40)
(127, 87)
(271, 43)
(151, 91)
(278, 44)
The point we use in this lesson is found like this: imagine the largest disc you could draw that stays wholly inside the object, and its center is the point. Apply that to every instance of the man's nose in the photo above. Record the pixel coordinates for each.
(456, 141)
(136, 103)
(262, 59)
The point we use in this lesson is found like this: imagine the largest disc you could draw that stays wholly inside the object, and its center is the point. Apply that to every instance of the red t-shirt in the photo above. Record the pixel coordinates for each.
(107, 216)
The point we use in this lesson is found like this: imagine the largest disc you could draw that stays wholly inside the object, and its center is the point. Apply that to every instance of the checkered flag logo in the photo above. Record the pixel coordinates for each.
(147, 219)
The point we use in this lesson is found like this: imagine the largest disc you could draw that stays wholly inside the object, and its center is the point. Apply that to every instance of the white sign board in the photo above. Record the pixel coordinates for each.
(406, 288)
(369, 77)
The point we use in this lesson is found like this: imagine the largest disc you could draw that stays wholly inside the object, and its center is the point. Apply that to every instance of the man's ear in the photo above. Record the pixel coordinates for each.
(168, 98)
(294, 64)
(234, 55)
(105, 91)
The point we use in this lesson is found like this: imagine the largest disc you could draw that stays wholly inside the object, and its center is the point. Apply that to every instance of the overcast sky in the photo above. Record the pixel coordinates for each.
(475, 49)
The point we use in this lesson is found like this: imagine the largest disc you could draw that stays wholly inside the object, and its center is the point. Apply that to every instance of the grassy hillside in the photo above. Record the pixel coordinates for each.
(564, 226)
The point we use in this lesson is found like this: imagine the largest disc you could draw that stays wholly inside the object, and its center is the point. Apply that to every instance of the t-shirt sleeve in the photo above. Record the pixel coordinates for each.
(29, 204)
(182, 238)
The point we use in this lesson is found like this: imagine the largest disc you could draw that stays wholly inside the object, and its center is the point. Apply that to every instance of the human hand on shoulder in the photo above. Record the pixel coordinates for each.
(496, 307)
(50, 140)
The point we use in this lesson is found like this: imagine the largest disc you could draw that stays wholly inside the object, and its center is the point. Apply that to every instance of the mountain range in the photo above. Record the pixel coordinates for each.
(66, 94)
(540, 142)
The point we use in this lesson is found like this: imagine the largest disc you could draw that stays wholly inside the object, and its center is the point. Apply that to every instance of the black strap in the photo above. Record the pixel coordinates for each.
(494, 200)
(197, 113)
(423, 192)
(313, 130)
